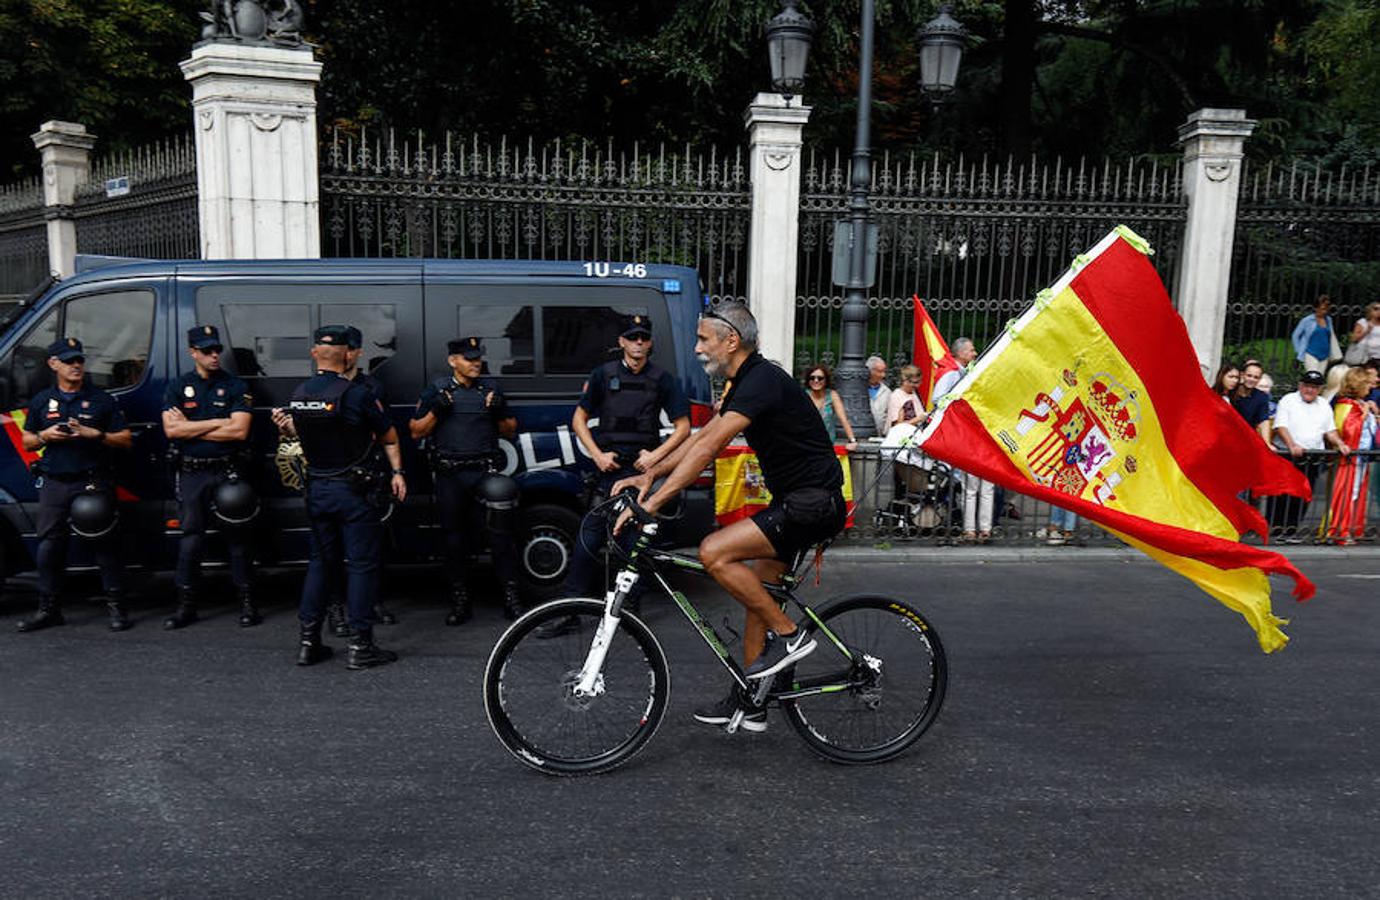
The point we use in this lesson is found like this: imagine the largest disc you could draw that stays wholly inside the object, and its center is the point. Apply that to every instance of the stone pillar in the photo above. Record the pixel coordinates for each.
(774, 144)
(1213, 140)
(66, 151)
(254, 109)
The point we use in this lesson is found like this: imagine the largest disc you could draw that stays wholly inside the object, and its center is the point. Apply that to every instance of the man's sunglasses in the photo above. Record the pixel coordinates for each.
(208, 351)
(73, 360)
(713, 314)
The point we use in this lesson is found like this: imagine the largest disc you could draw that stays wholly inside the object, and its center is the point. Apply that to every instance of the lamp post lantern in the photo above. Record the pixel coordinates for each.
(941, 51)
(789, 35)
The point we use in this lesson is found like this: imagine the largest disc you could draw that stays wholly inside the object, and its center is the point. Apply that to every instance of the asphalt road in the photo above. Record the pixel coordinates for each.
(1108, 731)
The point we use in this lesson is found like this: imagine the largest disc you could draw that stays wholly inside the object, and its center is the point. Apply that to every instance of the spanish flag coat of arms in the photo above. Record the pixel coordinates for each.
(1093, 401)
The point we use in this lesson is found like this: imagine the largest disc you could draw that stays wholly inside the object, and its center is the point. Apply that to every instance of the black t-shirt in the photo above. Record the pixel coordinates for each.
(1254, 407)
(785, 430)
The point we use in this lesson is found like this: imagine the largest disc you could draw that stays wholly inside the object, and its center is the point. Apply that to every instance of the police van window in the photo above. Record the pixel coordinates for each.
(268, 340)
(377, 322)
(28, 372)
(115, 330)
(507, 335)
(575, 339)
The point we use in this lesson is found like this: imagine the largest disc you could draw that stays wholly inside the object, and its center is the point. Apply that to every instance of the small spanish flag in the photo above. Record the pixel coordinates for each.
(740, 491)
(1093, 401)
(929, 353)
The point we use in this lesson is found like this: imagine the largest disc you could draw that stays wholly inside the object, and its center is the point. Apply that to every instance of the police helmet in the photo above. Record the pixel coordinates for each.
(93, 514)
(235, 502)
(499, 494)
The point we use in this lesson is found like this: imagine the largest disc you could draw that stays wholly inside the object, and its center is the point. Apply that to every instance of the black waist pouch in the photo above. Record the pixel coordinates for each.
(812, 506)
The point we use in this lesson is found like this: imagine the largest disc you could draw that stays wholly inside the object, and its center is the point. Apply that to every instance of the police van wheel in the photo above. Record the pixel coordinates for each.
(546, 546)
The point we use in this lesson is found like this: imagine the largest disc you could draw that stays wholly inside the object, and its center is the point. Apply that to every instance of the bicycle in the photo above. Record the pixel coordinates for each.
(589, 698)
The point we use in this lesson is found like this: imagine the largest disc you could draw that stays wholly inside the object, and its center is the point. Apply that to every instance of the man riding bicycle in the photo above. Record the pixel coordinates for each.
(765, 404)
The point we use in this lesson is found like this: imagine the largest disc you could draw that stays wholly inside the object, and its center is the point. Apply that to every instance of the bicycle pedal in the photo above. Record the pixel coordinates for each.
(734, 721)
(759, 694)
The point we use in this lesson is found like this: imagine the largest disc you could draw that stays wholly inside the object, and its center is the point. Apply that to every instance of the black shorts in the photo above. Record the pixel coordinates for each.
(802, 519)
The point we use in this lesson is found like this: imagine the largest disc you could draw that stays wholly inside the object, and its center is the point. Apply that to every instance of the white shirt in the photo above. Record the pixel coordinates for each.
(1307, 422)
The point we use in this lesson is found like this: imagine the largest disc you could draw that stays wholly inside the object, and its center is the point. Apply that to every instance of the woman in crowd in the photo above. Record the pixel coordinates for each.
(1365, 336)
(1346, 514)
(1228, 377)
(1334, 381)
(820, 383)
(1315, 339)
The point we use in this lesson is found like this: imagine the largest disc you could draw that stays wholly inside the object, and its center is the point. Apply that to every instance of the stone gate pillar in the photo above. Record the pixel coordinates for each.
(66, 151)
(774, 145)
(1213, 142)
(254, 113)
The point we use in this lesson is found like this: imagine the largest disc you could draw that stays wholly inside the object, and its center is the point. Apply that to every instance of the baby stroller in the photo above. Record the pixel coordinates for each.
(927, 496)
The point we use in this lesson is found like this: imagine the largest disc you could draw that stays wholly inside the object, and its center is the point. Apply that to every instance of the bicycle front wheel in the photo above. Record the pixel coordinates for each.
(878, 698)
(532, 704)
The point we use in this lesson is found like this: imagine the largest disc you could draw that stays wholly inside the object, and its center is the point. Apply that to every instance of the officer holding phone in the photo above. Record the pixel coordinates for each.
(75, 427)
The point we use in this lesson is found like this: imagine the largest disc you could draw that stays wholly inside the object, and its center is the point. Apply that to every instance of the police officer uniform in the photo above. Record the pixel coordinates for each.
(337, 421)
(628, 406)
(67, 470)
(464, 450)
(200, 466)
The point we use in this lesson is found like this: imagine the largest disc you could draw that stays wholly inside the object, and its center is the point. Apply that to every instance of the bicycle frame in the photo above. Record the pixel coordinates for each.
(643, 556)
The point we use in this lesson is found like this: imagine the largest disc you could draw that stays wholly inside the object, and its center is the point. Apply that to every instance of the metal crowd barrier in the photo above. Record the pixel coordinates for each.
(923, 505)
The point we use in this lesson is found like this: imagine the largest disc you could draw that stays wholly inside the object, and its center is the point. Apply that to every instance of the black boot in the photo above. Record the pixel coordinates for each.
(49, 614)
(310, 650)
(185, 614)
(249, 614)
(459, 605)
(383, 615)
(336, 620)
(512, 602)
(114, 604)
(365, 654)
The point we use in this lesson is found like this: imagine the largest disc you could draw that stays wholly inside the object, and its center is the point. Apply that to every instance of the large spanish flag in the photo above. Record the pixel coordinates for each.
(929, 352)
(1093, 401)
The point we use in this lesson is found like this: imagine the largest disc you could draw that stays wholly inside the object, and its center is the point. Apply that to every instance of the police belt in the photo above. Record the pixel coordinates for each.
(87, 475)
(447, 464)
(206, 463)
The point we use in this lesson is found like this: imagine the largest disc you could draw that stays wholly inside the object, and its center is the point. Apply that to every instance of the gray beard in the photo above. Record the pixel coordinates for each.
(711, 368)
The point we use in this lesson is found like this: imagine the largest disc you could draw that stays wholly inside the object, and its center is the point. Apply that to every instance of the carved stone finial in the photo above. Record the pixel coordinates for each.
(276, 23)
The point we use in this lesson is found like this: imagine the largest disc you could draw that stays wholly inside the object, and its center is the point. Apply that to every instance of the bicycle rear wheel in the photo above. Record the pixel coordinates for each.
(881, 700)
(529, 690)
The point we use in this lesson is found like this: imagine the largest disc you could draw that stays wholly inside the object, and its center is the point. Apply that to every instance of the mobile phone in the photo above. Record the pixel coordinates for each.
(64, 428)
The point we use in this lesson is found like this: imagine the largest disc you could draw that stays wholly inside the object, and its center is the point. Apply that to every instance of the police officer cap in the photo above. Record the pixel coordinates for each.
(203, 336)
(468, 347)
(1312, 377)
(354, 338)
(637, 324)
(334, 335)
(65, 349)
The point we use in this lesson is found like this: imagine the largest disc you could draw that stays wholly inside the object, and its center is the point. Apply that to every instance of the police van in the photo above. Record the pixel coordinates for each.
(544, 325)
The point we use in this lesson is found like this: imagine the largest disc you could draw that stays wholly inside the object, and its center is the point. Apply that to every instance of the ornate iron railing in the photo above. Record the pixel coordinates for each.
(1301, 231)
(385, 195)
(23, 239)
(913, 505)
(976, 241)
(150, 210)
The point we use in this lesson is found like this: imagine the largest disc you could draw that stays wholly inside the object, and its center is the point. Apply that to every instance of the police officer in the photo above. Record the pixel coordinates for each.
(337, 422)
(627, 396)
(76, 426)
(206, 416)
(464, 414)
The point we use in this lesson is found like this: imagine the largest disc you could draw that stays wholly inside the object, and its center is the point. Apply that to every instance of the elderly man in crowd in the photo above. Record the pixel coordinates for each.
(877, 391)
(1303, 422)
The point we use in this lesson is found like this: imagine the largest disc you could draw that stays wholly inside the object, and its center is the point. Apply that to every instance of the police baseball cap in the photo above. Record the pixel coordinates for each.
(334, 335)
(354, 338)
(468, 347)
(637, 324)
(1312, 376)
(203, 337)
(66, 349)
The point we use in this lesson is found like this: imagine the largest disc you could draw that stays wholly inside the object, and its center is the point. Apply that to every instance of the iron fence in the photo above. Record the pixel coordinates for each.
(924, 504)
(23, 239)
(555, 201)
(141, 203)
(1301, 231)
(975, 241)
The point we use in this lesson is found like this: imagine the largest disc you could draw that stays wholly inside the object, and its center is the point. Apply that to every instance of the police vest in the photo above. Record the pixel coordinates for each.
(628, 415)
(467, 428)
(330, 442)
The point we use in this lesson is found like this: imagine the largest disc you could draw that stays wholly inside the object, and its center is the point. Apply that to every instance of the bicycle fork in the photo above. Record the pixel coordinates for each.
(591, 679)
